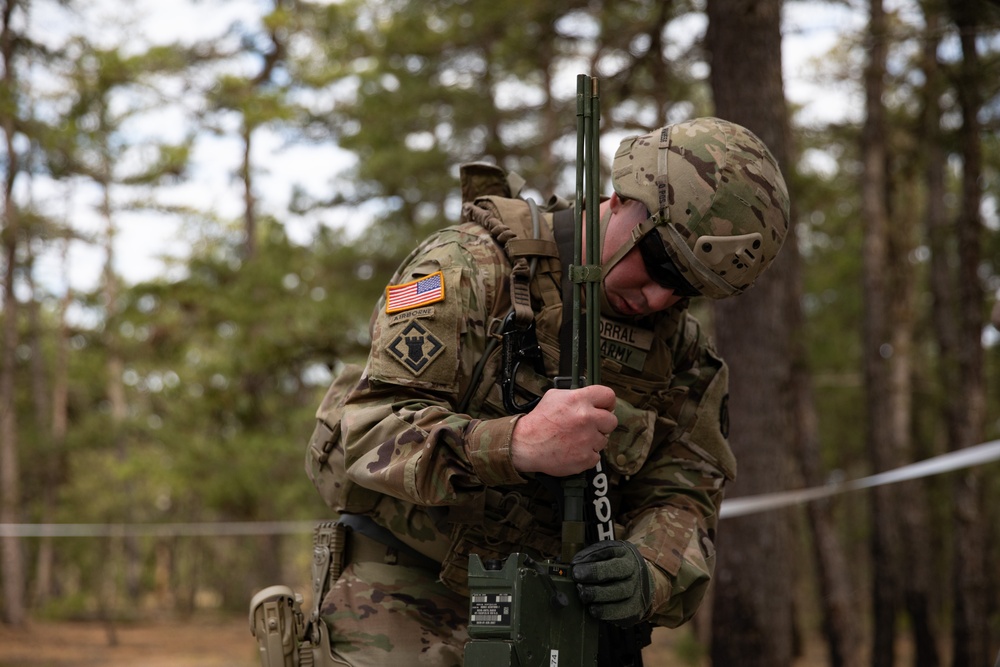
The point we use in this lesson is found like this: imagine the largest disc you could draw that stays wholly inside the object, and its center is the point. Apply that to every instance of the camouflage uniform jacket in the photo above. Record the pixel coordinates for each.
(442, 481)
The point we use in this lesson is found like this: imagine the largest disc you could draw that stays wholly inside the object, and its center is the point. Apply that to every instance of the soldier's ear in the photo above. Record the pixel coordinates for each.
(615, 201)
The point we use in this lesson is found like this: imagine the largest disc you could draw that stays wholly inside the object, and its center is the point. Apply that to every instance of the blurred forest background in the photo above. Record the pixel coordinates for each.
(187, 398)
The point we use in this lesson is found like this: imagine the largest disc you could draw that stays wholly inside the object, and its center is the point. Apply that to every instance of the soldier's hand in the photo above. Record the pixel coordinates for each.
(565, 433)
(614, 582)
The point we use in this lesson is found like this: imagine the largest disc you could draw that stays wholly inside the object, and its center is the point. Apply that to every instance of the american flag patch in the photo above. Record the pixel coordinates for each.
(428, 289)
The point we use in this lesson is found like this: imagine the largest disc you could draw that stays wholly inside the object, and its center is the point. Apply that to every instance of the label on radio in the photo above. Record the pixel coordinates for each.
(490, 608)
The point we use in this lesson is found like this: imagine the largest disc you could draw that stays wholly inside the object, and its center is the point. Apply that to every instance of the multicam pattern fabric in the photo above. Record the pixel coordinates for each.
(443, 481)
(378, 612)
(715, 194)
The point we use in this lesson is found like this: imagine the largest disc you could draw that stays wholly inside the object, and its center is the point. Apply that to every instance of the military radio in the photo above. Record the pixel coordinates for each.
(525, 612)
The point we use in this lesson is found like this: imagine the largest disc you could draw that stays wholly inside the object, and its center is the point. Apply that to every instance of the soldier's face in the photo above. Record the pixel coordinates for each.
(627, 286)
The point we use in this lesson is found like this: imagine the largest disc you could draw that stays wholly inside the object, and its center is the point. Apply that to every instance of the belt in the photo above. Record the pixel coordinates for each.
(361, 549)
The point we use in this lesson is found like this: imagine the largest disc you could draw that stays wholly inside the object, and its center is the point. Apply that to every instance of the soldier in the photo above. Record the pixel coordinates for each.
(422, 460)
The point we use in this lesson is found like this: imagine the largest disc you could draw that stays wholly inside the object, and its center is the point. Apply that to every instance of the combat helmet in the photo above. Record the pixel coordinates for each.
(717, 202)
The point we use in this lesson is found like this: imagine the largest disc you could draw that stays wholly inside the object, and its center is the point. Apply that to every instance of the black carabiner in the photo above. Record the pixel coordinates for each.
(520, 344)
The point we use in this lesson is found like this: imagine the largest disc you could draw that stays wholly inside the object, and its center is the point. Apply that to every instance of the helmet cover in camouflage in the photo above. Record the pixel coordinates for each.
(715, 195)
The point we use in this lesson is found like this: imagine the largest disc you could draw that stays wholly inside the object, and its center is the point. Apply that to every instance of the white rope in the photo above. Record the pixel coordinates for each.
(963, 458)
(212, 529)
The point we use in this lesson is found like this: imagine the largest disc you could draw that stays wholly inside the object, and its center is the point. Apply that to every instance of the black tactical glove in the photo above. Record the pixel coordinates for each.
(614, 582)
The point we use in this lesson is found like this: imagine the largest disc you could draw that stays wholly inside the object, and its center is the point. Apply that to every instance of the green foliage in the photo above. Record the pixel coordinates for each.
(233, 360)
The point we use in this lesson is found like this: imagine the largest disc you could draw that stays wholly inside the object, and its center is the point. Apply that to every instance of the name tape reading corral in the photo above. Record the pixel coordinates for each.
(976, 455)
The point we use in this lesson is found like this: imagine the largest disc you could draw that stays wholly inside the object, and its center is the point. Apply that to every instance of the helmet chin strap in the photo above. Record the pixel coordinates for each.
(606, 266)
(637, 233)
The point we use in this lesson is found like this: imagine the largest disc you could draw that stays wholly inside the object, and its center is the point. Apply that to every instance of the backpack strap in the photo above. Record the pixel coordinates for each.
(523, 253)
(489, 213)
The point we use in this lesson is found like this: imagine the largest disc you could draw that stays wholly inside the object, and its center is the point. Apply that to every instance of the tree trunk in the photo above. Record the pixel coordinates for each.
(54, 475)
(838, 605)
(881, 434)
(46, 443)
(56, 472)
(10, 476)
(115, 385)
(11, 556)
(940, 236)
(911, 500)
(970, 640)
(249, 201)
(752, 610)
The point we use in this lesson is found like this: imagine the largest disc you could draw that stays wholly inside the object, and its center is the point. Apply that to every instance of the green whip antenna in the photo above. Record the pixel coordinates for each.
(585, 273)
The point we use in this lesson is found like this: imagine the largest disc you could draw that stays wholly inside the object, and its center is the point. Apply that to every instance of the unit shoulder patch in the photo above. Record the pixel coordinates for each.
(415, 347)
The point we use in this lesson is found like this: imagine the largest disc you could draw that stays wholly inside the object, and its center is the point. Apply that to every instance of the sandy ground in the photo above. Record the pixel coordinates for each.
(200, 643)
(205, 642)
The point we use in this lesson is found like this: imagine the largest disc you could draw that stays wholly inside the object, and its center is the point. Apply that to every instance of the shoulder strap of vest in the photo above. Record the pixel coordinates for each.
(490, 212)
(497, 215)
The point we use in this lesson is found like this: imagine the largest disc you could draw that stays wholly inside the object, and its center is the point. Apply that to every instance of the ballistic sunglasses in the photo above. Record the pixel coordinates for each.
(661, 268)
